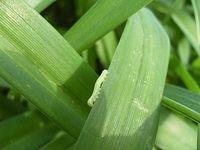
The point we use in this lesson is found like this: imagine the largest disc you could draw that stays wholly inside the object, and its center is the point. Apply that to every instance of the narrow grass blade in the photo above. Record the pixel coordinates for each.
(183, 101)
(90, 57)
(18, 126)
(105, 48)
(34, 140)
(61, 142)
(185, 76)
(176, 132)
(196, 6)
(98, 21)
(39, 5)
(42, 66)
(125, 116)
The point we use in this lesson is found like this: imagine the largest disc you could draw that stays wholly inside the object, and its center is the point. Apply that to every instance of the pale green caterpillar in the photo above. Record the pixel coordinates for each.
(97, 88)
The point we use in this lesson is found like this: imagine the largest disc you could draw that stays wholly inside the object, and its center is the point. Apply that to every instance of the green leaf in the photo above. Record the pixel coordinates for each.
(184, 74)
(39, 5)
(105, 48)
(183, 101)
(61, 142)
(34, 140)
(127, 107)
(176, 132)
(98, 21)
(42, 66)
(18, 126)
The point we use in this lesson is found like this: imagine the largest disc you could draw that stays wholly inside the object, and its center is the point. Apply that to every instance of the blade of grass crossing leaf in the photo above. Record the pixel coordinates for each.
(34, 140)
(176, 132)
(196, 6)
(98, 21)
(125, 115)
(182, 101)
(42, 66)
(39, 5)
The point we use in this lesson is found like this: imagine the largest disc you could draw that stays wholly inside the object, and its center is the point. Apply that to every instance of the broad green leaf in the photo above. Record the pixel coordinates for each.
(34, 140)
(61, 142)
(18, 126)
(39, 5)
(98, 21)
(183, 101)
(196, 5)
(125, 115)
(42, 66)
(176, 132)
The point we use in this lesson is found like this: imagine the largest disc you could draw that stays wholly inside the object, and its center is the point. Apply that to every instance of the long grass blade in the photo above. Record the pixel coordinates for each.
(184, 74)
(105, 48)
(42, 66)
(183, 101)
(98, 21)
(125, 116)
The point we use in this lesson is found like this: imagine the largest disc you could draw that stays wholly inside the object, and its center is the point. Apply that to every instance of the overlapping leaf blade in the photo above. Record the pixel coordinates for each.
(98, 21)
(42, 66)
(126, 113)
(182, 101)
